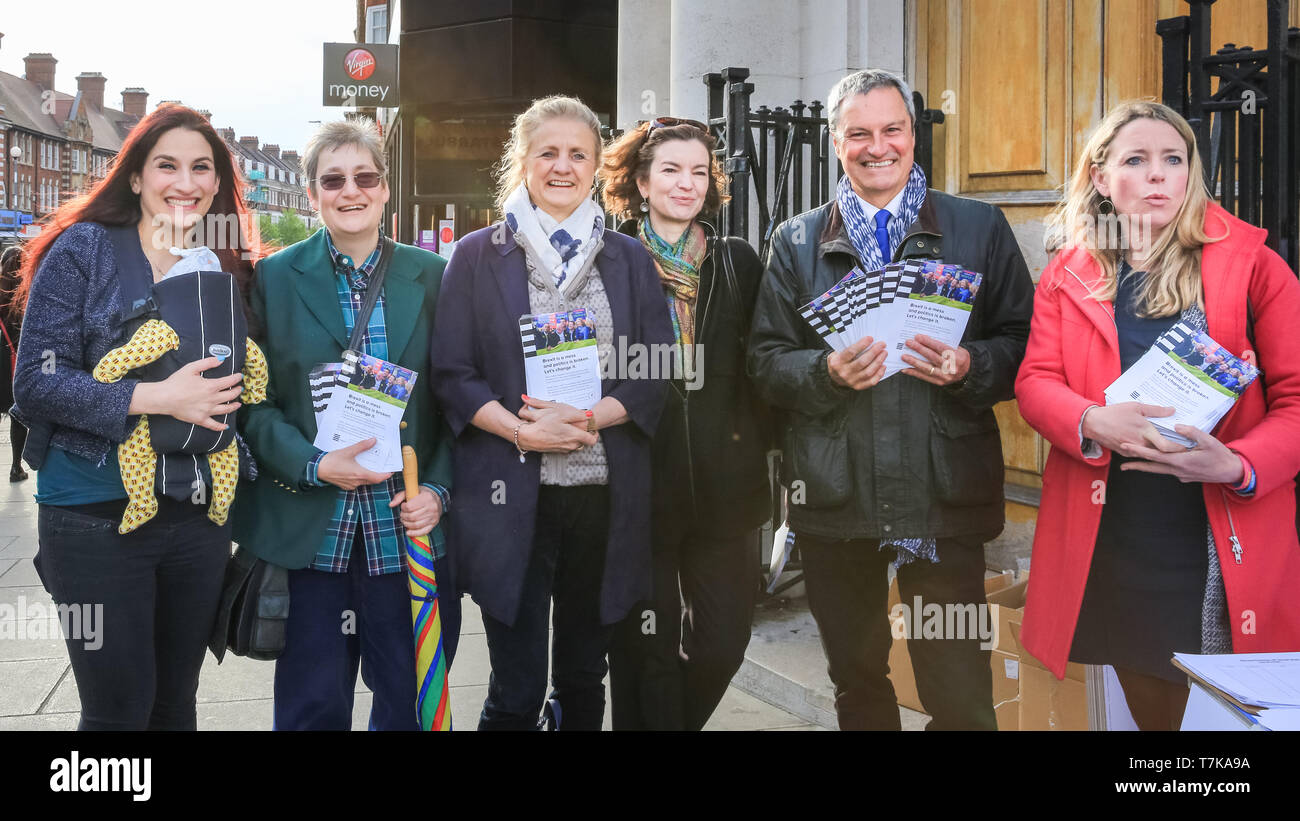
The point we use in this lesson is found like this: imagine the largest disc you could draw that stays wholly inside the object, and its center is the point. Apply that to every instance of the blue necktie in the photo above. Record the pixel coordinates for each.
(882, 236)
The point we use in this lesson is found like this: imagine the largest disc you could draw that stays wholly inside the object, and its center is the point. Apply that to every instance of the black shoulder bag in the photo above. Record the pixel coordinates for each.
(254, 607)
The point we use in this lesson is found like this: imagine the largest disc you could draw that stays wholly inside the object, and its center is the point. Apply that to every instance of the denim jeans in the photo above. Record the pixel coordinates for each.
(339, 622)
(158, 587)
(567, 563)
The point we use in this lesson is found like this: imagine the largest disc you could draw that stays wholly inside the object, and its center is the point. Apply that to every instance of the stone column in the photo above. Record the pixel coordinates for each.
(644, 76)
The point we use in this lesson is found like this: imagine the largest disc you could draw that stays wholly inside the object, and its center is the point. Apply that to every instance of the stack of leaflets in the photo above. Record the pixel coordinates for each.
(895, 304)
(1188, 371)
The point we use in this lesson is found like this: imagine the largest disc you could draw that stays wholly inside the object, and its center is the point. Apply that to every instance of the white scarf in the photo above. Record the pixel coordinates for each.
(562, 247)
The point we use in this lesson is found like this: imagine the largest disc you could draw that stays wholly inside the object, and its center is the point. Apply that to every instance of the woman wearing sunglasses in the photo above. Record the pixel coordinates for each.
(710, 492)
(340, 528)
(552, 500)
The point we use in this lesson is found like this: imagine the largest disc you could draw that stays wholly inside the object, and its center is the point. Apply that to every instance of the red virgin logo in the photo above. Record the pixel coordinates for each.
(359, 63)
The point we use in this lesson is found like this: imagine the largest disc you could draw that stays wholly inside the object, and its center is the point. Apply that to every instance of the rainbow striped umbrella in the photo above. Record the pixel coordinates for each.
(433, 703)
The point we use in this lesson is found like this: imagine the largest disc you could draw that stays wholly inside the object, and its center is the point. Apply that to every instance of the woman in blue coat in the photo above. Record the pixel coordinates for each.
(553, 502)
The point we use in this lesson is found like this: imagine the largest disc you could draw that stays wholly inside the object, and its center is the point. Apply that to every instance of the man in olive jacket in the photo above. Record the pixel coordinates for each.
(909, 466)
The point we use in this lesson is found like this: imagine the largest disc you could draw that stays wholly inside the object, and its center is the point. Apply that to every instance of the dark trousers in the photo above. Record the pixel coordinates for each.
(339, 621)
(847, 592)
(566, 564)
(151, 597)
(669, 665)
(17, 441)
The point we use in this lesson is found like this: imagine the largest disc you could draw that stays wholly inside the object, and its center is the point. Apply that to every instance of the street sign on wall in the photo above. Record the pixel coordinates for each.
(360, 74)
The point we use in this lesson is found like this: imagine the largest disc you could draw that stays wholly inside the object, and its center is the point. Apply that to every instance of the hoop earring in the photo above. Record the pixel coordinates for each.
(1105, 207)
(645, 207)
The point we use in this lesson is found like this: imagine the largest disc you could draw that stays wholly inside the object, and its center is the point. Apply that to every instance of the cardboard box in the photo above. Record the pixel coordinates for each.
(1045, 702)
(1008, 715)
(1006, 689)
(900, 663)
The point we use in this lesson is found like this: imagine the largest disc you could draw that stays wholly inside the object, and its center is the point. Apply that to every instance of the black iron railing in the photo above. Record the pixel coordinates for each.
(780, 160)
(1246, 128)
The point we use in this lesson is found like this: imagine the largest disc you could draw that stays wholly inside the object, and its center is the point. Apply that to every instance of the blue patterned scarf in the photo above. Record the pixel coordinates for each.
(561, 247)
(862, 231)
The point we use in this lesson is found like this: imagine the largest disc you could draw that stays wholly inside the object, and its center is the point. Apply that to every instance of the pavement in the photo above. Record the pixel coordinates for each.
(782, 684)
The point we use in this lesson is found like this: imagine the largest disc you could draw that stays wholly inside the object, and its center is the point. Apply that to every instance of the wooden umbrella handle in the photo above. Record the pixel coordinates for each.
(410, 472)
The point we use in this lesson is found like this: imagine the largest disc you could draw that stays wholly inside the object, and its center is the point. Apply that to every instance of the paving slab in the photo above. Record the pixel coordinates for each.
(58, 722)
(25, 685)
(21, 573)
(250, 714)
(739, 710)
(19, 547)
(471, 666)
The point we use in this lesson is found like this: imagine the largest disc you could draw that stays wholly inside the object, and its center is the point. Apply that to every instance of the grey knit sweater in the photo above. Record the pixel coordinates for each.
(589, 465)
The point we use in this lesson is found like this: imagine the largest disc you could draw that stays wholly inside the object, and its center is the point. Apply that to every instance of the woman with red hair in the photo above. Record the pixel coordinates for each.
(148, 598)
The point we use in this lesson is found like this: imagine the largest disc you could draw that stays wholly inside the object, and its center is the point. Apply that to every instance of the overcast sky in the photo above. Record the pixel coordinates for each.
(255, 64)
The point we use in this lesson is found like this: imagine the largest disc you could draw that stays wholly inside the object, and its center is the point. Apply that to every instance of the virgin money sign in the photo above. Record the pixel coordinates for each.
(360, 74)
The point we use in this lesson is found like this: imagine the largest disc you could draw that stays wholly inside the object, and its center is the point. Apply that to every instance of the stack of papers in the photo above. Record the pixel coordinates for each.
(895, 304)
(1188, 371)
(1264, 688)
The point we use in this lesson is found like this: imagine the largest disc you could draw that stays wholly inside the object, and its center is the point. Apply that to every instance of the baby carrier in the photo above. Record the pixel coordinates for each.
(190, 315)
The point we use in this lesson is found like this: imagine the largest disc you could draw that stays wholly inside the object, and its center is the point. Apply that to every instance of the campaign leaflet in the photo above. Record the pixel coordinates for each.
(893, 305)
(367, 399)
(1186, 370)
(934, 299)
(561, 358)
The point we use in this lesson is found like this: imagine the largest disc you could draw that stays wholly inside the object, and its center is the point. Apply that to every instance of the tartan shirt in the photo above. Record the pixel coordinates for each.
(385, 538)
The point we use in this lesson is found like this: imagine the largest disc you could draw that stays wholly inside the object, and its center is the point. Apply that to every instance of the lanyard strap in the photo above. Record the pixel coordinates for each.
(374, 287)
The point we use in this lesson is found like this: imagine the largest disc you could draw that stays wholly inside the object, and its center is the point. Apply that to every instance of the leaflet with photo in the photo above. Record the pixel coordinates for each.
(894, 304)
(561, 357)
(934, 299)
(1186, 370)
(367, 399)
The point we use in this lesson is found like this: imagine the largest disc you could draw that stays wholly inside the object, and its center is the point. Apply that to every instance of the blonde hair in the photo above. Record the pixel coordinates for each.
(1173, 281)
(510, 170)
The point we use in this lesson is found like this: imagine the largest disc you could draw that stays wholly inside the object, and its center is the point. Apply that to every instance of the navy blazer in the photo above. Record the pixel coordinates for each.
(476, 357)
(73, 318)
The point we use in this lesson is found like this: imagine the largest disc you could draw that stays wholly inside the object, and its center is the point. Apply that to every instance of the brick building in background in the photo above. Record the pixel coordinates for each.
(65, 141)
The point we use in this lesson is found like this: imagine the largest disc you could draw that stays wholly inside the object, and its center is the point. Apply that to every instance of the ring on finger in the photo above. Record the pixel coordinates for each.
(932, 370)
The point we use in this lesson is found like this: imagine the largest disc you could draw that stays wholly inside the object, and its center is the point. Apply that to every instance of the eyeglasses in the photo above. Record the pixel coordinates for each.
(334, 182)
(669, 122)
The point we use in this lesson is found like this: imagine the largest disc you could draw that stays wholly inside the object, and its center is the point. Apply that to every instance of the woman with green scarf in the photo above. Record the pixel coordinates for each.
(670, 667)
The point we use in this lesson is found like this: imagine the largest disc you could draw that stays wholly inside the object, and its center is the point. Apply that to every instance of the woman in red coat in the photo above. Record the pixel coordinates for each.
(1144, 547)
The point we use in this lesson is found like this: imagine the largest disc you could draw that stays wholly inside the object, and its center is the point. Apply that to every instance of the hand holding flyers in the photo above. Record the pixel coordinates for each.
(1208, 461)
(1128, 423)
(861, 365)
(916, 311)
(936, 362)
(1199, 380)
